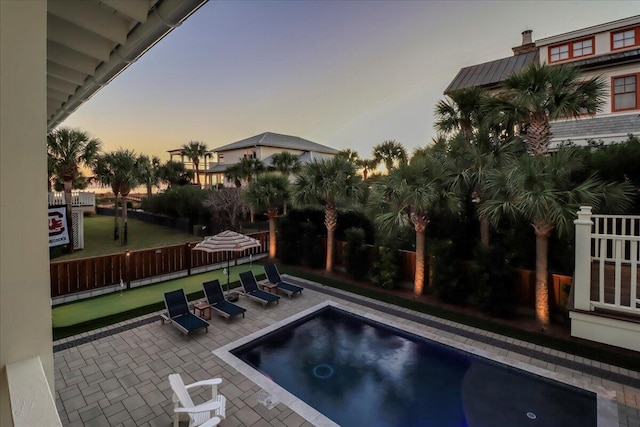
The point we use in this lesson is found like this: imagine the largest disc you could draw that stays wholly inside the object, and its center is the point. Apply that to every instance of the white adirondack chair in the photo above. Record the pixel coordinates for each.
(207, 414)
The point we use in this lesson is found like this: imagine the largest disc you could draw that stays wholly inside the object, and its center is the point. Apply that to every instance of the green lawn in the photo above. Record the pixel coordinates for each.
(148, 298)
(98, 237)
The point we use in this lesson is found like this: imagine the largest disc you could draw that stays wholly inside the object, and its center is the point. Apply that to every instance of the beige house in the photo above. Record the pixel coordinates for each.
(611, 50)
(262, 147)
(53, 57)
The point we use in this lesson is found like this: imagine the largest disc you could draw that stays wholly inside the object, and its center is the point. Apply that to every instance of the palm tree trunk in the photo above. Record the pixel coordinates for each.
(418, 282)
(420, 222)
(543, 231)
(331, 222)
(485, 233)
(124, 240)
(67, 199)
(116, 233)
(272, 233)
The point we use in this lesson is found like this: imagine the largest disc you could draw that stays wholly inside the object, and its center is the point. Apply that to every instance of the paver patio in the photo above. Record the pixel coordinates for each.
(118, 376)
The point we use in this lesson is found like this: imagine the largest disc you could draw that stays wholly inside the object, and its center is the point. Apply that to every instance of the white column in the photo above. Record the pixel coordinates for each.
(582, 274)
(25, 301)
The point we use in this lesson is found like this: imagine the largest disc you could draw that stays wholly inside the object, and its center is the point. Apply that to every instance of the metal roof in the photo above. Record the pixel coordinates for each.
(490, 73)
(277, 140)
(90, 42)
(618, 125)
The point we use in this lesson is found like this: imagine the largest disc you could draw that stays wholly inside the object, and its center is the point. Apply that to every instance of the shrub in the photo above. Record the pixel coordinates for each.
(185, 202)
(384, 268)
(492, 281)
(356, 255)
(288, 241)
(310, 246)
(448, 281)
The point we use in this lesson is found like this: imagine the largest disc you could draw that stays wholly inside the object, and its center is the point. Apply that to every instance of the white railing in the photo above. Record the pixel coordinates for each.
(78, 199)
(607, 254)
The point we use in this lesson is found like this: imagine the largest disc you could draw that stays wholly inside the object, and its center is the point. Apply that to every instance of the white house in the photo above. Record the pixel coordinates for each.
(263, 147)
(610, 50)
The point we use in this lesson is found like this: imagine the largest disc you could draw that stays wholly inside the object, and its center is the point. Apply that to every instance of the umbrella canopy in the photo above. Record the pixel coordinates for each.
(227, 241)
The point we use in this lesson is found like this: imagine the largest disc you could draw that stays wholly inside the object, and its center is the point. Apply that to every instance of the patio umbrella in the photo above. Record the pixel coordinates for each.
(227, 241)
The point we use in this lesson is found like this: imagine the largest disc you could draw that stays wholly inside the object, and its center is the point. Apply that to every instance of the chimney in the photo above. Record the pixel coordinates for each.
(527, 44)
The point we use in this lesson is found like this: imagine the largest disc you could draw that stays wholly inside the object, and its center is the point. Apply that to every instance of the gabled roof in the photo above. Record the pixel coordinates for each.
(277, 140)
(491, 73)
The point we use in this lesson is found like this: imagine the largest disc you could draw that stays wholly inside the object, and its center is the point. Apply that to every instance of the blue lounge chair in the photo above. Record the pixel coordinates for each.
(217, 301)
(250, 286)
(179, 315)
(274, 277)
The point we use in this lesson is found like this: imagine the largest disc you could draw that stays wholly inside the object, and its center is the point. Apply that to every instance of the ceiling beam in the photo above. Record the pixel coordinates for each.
(91, 17)
(70, 58)
(137, 10)
(61, 85)
(58, 95)
(64, 73)
(78, 39)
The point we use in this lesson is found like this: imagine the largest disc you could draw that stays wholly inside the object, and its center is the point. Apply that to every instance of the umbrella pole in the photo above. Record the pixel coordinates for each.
(228, 273)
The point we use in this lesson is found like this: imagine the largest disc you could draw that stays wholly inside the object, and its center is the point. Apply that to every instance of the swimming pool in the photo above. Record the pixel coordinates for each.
(362, 371)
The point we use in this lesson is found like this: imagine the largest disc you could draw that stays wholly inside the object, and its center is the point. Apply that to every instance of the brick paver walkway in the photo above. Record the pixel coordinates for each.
(117, 376)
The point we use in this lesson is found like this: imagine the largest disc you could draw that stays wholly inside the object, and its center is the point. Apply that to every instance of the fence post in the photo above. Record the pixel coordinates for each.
(582, 273)
(188, 259)
(127, 268)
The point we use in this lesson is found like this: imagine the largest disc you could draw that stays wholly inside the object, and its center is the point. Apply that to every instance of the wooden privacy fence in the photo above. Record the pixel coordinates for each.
(524, 286)
(89, 274)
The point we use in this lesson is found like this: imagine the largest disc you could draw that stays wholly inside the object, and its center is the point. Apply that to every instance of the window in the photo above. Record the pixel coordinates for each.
(559, 53)
(625, 93)
(625, 38)
(583, 48)
(571, 50)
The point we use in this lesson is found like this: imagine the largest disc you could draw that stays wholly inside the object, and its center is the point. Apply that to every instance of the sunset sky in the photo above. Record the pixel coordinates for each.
(343, 74)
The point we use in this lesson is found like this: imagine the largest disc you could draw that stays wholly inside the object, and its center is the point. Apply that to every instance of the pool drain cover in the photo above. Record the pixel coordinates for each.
(323, 371)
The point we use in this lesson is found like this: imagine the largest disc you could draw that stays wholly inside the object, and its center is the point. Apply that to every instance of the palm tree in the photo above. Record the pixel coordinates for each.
(194, 150)
(121, 170)
(541, 93)
(391, 153)
(541, 190)
(367, 165)
(247, 169)
(174, 173)
(268, 191)
(286, 163)
(460, 113)
(69, 149)
(149, 172)
(323, 183)
(250, 167)
(104, 174)
(234, 174)
(409, 196)
(349, 155)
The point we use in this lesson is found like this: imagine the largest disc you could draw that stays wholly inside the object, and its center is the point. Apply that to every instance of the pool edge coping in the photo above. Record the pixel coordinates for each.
(606, 403)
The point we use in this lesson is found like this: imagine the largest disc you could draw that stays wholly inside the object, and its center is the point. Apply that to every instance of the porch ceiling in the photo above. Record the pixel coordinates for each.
(90, 42)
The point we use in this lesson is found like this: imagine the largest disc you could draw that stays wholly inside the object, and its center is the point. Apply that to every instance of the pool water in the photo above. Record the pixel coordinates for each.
(359, 372)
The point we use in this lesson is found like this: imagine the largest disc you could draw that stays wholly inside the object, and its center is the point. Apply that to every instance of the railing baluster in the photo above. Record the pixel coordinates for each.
(633, 302)
(603, 255)
(618, 272)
